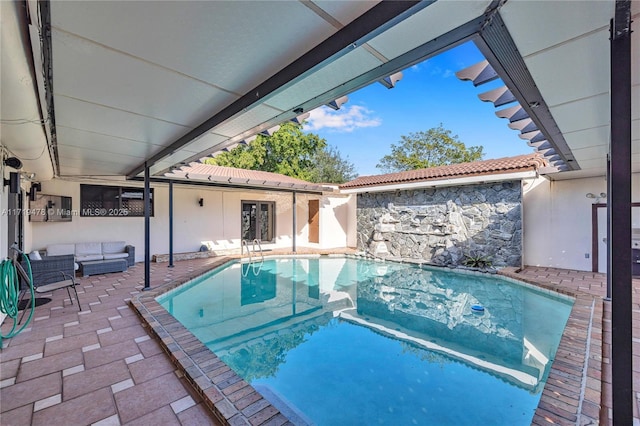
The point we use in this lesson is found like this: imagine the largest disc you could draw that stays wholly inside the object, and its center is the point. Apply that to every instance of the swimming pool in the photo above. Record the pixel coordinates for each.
(345, 341)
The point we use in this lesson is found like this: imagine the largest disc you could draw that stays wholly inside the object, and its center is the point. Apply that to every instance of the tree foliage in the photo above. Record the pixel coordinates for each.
(330, 167)
(291, 152)
(435, 147)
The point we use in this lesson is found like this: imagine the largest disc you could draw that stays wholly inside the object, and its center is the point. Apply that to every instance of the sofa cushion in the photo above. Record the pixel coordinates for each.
(115, 256)
(88, 257)
(85, 249)
(60, 249)
(113, 247)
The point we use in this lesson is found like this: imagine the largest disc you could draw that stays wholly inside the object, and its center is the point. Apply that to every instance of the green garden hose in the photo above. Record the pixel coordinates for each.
(10, 295)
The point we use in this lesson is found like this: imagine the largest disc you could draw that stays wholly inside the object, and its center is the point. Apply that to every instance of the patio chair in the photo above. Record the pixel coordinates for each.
(57, 281)
(47, 269)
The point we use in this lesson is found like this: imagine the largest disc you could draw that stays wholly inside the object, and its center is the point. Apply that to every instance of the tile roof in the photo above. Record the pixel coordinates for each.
(521, 163)
(231, 175)
(207, 169)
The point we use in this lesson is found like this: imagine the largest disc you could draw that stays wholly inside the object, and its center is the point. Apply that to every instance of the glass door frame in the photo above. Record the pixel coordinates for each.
(257, 224)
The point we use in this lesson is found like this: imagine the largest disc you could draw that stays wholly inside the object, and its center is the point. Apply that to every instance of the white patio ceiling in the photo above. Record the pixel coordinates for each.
(171, 82)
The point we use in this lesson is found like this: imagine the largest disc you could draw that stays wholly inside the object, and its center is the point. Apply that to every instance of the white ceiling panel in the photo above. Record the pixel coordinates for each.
(103, 76)
(158, 167)
(588, 137)
(81, 115)
(348, 67)
(597, 153)
(81, 139)
(85, 162)
(74, 152)
(534, 27)
(345, 11)
(429, 23)
(573, 116)
(249, 119)
(204, 143)
(215, 41)
(579, 69)
(594, 166)
(171, 161)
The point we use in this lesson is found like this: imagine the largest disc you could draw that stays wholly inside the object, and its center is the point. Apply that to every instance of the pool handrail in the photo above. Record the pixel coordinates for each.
(255, 240)
(245, 243)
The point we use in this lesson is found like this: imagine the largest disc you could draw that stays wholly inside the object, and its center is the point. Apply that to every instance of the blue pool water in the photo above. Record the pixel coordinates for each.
(337, 341)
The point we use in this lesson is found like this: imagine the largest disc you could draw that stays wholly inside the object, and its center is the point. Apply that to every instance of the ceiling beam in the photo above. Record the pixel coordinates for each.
(373, 22)
(497, 46)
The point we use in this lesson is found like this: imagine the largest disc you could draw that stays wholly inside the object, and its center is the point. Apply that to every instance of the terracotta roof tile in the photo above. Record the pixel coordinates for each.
(231, 172)
(520, 163)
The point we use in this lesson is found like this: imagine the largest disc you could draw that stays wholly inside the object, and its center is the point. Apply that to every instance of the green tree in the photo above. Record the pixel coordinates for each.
(290, 152)
(330, 167)
(435, 147)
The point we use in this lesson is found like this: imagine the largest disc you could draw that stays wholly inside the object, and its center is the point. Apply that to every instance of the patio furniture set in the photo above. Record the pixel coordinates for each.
(56, 267)
(90, 258)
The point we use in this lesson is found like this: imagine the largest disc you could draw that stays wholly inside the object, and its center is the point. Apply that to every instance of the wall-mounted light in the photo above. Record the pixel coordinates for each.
(201, 202)
(35, 187)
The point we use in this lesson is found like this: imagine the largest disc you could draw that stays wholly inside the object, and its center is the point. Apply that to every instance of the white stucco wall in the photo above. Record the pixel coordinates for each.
(557, 221)
(218, 220)
(335, 216)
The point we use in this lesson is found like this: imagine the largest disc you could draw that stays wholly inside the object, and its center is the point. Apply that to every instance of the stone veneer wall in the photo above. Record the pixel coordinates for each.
(442, 225)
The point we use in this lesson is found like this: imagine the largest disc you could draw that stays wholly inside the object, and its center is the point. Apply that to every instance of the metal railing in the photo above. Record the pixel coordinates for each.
(250, 264)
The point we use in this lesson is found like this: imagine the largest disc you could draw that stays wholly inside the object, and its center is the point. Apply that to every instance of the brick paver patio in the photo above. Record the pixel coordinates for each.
(103, 366)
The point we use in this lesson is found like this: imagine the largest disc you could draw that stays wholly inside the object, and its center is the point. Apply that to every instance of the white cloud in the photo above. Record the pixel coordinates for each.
(444, 73)
(447, 73)
(346, 119)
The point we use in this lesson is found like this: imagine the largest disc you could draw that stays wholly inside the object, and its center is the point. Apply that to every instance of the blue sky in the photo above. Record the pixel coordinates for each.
(428, 94)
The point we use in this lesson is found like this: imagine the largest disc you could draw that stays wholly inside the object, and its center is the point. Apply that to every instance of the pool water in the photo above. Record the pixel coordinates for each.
(338, 341)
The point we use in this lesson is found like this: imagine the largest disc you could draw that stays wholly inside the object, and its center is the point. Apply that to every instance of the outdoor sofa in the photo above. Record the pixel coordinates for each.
(96, 257)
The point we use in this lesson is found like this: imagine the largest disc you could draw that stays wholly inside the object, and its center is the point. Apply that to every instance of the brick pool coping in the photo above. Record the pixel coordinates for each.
(231, 399)
(572, 394)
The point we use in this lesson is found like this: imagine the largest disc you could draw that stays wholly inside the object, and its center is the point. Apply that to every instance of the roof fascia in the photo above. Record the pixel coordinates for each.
(376, 20)
(444, 182)
(188, 182)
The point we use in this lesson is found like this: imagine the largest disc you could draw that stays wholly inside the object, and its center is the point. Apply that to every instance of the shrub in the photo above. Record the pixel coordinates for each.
(477, 261)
